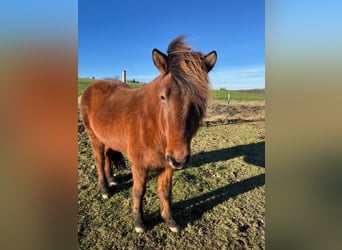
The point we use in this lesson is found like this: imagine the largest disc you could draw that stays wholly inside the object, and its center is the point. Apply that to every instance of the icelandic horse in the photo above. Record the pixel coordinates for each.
(152, 125)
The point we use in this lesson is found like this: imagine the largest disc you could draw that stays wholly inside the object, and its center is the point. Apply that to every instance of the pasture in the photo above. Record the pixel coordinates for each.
(218, 200)
(235, 95)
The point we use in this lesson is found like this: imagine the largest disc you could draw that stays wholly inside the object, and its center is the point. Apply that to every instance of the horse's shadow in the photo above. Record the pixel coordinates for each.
(253, 153)
(193, 209)
(190, 210)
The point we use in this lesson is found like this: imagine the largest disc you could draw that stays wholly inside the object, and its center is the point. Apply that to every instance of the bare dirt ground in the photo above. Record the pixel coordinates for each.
(219, 112)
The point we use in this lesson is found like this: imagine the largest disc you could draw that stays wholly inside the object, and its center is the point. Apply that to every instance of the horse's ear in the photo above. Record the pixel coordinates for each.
(160, 60)
(210, 60)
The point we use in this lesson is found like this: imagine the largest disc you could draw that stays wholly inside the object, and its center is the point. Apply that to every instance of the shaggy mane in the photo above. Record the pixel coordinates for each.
(188, 70)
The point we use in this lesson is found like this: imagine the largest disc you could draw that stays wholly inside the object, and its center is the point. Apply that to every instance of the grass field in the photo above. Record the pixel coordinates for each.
(215, 94)
(222, 95)
(219, 200)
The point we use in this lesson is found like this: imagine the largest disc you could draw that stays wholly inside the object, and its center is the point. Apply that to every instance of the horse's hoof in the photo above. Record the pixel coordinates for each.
(112, 183)
(175, 229)
(105, 196)
(172, 224)
(140, 229)
(139, 226)
(104, 192)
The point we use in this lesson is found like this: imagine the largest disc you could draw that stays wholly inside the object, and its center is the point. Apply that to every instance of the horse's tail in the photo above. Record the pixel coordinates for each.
(117, 159)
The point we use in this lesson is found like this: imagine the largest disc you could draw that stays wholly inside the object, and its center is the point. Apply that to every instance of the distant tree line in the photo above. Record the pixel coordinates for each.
(133, 81)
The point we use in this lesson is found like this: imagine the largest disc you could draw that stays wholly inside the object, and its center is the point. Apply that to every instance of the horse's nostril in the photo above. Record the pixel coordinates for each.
(172, 160)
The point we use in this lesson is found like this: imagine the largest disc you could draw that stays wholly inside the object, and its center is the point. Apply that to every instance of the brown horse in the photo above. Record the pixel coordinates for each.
(153, 125)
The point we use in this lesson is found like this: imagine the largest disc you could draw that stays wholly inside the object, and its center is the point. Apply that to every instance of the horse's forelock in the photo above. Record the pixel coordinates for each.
(189, 72)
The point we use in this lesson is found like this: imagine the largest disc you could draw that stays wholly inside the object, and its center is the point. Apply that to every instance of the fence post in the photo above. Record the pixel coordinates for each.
(228, 100)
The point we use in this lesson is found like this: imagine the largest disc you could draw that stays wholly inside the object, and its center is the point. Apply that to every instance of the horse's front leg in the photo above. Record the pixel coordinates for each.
(140, 175)
(164, 193)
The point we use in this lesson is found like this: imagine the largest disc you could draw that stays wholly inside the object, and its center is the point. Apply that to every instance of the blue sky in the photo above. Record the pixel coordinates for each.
(120, 35)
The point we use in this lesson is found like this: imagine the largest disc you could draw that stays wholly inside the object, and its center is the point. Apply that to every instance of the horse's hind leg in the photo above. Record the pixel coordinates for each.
(118, 161)
(107, 167)
(99, 157)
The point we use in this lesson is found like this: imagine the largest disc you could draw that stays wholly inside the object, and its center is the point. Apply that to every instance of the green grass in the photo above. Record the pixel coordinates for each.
(83, 83)
(219, 200)
(135, 85)
(235, 96)
(215, 94)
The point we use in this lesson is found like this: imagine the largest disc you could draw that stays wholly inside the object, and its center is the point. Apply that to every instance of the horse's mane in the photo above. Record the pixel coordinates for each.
(189, 72)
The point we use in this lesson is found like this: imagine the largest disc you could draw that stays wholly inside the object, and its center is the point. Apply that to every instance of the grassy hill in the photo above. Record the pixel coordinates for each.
(222, 95)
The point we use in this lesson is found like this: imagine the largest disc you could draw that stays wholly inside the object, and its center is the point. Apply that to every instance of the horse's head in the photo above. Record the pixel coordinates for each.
(183, 96)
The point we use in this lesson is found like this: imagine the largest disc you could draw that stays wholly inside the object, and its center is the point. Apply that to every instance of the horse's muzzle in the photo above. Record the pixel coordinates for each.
(175, 163)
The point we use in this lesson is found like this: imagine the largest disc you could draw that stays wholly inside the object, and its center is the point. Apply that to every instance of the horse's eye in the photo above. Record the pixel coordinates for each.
(162, 97)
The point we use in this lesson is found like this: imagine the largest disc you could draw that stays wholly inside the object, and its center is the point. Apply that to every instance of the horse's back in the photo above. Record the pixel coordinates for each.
(96, 93)
(100, 89)
(101, 108)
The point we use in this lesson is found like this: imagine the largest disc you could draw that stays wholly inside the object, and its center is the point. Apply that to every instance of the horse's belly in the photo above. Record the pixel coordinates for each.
(113, 137)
